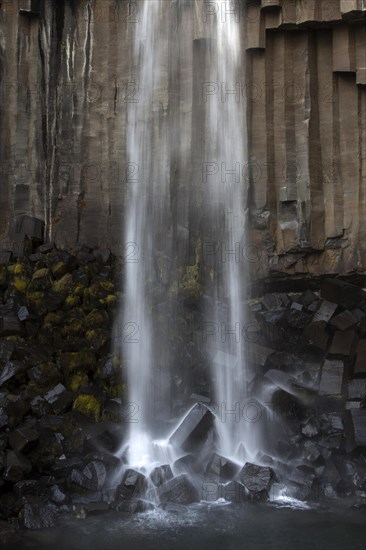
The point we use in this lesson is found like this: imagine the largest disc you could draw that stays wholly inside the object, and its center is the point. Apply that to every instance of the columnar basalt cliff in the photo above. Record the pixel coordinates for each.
(67, 84)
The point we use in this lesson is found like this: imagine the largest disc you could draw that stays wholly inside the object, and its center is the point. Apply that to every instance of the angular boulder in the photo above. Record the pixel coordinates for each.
(179, 490)
(161, 474)
(343, 294)
(187, 464)
(192, 432)
(132, 486)
(222, 468)
(257, 479)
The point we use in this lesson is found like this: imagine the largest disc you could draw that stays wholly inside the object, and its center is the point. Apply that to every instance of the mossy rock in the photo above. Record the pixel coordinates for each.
(37, 302)
(78, 380)
(110, 300)
(99, 339)
(41, 280)
(75, 327)
(58, 269)
(97, 318)
(89, 406)
(44, 375)
(22, 276)
(83, 360)
(99, 289)
(116, 391)
(63, 285)
(54, 319)
(73, 300)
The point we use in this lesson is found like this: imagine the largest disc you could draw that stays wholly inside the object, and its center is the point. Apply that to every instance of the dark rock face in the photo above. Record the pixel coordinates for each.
(37, 515)
(179, 490)
(132, 486)
(161, 474)
(222, 468)
(257, 479)
(194, 429)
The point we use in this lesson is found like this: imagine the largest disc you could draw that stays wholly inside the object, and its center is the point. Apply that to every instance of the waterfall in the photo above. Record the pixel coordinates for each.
(146, 232)
(150, 238)
(223, 171)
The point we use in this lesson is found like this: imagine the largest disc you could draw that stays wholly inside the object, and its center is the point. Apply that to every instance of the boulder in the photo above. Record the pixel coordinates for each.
(325, 311)
(188, 464)
(222, 468)
(343, 294)
(179, 490)
(331, 377)
(161, 474)
(344, 320)
(360, 364)
(356, 428)
(23, 313)
(37, 515)
(357, 388)
(257, 479)
(10, 370)
(132, 486)
(92, 477)
(192, 432)
(343, 343)
(59, 398)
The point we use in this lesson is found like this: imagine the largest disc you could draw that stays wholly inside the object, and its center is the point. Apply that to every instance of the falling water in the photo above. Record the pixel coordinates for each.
(223, 171)
(146, 232)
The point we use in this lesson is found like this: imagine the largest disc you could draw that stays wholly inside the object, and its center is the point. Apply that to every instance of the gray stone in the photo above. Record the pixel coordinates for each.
(132, 486)
(331, 377)
(358, 417)
(161, 474)
(37, 515)
(272, 302)
(194, 428)
(360, 364)
(325, 311)
(222, 468)
(179, 489)
(187, 464)
(23, 313)
(343, 343)
(344, 320)
(256, 478)
(59, 398)
(357, 388)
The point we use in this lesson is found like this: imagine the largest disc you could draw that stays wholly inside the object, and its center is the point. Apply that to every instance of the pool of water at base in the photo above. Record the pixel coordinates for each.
(206, 526)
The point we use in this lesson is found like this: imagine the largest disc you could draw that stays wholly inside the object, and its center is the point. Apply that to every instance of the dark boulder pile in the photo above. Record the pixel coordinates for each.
(60, 388)
(309, 384)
